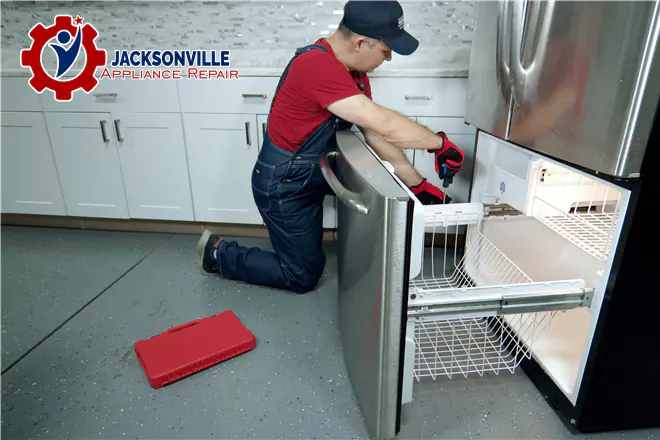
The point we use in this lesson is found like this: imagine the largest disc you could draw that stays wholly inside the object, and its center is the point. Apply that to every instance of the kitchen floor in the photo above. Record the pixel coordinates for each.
(74, 302)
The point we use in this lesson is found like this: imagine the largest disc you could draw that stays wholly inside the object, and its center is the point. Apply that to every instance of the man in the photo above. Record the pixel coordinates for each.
(324, 87)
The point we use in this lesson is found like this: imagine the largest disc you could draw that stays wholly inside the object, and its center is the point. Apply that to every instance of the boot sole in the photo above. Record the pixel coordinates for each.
(201, 245)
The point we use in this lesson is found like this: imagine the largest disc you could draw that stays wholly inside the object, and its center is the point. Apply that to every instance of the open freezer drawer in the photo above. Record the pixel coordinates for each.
(397, 302)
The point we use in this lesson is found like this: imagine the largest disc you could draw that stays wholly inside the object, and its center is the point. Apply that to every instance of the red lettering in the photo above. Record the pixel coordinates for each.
(176, 74)
(192, 72)
(125, 73)
(233, 74)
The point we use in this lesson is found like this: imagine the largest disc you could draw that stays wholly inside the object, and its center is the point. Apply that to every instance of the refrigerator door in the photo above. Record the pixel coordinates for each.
(374, 239)
(489, 82)
(586, 81)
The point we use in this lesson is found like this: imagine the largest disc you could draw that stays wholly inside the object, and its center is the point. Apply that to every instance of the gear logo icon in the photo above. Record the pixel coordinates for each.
(72, 38)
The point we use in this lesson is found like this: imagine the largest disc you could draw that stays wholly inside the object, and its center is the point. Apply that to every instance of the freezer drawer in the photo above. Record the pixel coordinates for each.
(499, 280)
(374, 240)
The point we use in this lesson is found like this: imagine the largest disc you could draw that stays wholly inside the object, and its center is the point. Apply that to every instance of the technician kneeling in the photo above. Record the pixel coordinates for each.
(323, 89)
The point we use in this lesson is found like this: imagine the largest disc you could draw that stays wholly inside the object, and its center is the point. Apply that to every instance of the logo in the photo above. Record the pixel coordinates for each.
(68, 38)
(400, 22)
(170, 64)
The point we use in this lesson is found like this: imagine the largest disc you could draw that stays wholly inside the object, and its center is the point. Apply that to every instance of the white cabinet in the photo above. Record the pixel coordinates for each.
(248, 95)
(86, 157)
(141, 96)
(464, 137)
(18, 96)
(421, 96)
(154, 165)
(222, 151)
(29, 178)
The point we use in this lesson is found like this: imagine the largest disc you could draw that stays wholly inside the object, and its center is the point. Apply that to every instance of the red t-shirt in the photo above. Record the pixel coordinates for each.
(315, 80)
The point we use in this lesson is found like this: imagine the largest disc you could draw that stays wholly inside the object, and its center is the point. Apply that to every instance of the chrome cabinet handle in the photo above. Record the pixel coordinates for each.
(105, 95)
(103, 133)
(410, 97)
(117, 132)
(348, 198)
(263, 129)
(247, 133)
(254, 95)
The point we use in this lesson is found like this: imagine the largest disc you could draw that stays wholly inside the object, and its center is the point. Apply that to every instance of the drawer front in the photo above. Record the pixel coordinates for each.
(246, 95)
(451, 126)
(135, 96)
(421, 96)
(18, 96)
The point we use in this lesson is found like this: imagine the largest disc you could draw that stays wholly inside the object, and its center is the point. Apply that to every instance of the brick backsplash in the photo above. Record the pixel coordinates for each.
(259, 33)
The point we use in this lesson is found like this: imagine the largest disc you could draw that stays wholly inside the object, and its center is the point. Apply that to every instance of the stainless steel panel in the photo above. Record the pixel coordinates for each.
(489, 83)
(586, 81)
(372, 262)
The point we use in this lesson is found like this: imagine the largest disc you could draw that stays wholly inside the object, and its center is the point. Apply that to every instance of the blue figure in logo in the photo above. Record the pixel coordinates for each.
(66, 56)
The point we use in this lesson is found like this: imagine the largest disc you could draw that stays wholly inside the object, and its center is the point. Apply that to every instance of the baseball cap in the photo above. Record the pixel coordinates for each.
(382, 20)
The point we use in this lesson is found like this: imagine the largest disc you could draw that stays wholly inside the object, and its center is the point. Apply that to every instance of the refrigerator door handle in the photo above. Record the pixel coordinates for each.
(349, 198)
(528, 17)
(502, 47)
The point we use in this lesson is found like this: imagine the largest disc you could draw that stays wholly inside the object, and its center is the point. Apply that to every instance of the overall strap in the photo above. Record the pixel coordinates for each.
(299, 51)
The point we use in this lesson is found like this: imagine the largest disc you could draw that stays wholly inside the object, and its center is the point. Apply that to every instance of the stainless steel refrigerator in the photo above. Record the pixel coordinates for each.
(549, 266)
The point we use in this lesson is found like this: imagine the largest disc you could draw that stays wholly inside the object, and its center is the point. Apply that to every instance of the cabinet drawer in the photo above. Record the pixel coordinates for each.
(246, 95)
(18, 96)
(136, 96)
(421, 96)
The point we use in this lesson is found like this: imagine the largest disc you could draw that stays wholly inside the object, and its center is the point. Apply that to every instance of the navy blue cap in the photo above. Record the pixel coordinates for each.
(382, 20)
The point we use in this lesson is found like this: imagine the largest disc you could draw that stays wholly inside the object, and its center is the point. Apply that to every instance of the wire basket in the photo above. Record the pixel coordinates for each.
(580, 209)
(468, 345)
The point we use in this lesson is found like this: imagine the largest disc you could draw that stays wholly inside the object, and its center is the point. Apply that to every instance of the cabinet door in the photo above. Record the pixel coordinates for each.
(464, 137)
(154, 166)
(86, 158)
(29, 180)
(222, 151)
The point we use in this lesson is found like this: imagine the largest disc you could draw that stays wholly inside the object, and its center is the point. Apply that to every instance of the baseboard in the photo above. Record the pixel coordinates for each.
(138, 225)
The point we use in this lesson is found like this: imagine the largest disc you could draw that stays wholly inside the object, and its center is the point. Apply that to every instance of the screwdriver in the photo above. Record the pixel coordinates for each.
(446, 181)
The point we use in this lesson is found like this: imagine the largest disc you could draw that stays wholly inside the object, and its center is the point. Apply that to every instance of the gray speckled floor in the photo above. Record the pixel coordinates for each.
(83, 380)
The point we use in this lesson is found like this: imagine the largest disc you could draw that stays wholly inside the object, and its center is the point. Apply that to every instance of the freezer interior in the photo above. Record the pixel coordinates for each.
(491, 280)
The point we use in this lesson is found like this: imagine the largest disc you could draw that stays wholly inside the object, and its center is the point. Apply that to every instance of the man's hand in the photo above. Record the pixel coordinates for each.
(448, 159)
(430, 194)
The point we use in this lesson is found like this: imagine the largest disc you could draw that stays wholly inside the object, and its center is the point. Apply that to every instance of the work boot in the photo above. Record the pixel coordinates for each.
(207, 248)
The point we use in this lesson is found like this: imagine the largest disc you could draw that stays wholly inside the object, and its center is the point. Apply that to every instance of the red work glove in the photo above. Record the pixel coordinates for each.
(448, 159)
(429, 194)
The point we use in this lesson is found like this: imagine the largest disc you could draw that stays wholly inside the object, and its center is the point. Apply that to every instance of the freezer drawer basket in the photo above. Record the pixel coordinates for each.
(450, 264)
(460, 275)
(477, 345)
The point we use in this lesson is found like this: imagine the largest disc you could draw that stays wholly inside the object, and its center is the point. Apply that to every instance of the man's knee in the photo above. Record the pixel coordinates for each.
(304, 282)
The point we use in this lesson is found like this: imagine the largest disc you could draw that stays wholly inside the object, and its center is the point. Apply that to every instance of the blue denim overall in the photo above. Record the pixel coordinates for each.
(288, 189)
